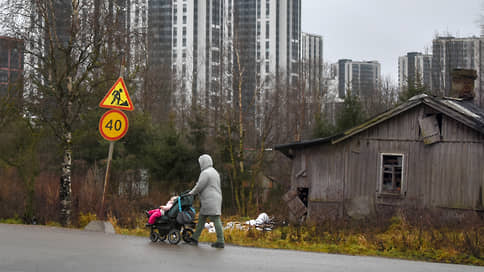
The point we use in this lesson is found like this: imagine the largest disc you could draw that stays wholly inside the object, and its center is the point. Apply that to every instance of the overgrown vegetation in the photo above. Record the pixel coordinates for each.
(398, 240)
(414, 236)
(398, 237)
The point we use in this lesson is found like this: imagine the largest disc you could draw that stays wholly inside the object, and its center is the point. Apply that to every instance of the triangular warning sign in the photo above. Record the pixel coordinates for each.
(117, 97)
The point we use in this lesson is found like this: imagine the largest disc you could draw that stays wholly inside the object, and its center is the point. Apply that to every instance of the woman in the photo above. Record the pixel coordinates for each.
(210, 193)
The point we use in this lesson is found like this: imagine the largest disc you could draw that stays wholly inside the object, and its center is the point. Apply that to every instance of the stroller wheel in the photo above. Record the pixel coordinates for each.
(174, 236)
(187, 235)
(154, 236)
(162, 237)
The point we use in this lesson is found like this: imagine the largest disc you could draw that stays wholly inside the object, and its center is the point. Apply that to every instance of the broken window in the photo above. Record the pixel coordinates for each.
(303, 194)
(392, 173)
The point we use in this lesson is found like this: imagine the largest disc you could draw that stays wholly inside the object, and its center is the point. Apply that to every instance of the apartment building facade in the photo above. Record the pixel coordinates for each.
(312, 60)
(186, 39)
(362, 78)
(211, 45)
(415, 69)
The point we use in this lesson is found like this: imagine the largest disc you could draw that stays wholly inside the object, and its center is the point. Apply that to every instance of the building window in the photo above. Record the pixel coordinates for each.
(14, 76)
(14, 59)
(267, 29)
(3, 76)
(215, 56)
(391, 173)
(4, 59)
(303, 194)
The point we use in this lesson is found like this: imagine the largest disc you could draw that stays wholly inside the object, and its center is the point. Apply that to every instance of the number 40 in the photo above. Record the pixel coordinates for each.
(117, 125)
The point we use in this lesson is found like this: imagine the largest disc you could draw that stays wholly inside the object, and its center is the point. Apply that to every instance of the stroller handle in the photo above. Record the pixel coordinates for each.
(185, 193)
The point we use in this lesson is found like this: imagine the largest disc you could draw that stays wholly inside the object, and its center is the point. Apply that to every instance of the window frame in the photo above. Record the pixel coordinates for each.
(381, 192)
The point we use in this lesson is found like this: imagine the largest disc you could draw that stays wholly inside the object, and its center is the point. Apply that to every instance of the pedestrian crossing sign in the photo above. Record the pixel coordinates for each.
(117, 97)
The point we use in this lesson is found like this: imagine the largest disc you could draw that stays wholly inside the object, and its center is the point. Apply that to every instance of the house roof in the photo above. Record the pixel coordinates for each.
(461, 110)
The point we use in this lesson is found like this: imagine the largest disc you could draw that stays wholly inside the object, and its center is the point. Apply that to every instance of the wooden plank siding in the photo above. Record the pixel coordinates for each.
(445, 174)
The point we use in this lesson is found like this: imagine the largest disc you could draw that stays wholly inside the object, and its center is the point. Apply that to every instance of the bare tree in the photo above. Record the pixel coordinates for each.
(385, 97)
(69, 44)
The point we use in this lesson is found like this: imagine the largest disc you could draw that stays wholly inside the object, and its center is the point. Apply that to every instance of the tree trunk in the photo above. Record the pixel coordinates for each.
(65, 183)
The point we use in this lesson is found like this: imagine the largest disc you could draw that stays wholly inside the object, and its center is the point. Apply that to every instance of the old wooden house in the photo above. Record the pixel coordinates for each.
(425, 153)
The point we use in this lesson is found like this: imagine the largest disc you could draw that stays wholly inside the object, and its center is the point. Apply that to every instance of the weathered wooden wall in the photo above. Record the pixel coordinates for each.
(445, 174)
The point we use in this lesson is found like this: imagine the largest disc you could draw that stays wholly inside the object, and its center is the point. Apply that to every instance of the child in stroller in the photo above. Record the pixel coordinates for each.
(155, 213)
(173, 226)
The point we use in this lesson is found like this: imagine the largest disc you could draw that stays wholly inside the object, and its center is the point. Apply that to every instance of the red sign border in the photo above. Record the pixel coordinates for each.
(130, 108)
(113, 139)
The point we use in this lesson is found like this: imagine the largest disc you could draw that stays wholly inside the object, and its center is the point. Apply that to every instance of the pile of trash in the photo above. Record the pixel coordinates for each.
(262, 222)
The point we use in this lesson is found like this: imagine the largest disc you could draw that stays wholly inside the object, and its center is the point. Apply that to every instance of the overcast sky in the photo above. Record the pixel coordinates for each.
(383, 30)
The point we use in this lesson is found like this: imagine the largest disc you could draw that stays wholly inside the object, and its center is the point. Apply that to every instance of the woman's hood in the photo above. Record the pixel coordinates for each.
(205, 162)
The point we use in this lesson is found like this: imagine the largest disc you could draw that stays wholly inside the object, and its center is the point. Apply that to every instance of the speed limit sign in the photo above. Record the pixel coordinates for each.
(113, 125)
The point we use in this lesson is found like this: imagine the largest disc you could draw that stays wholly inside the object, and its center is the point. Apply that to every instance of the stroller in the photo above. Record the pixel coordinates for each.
(167, 226)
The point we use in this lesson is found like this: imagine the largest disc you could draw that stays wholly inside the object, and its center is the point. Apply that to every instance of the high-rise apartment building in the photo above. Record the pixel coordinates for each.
(415, 69)
(186, 39)
(204, 43)
(137, 23)
(450, 53)
(267, 34)
(340, 75)
(360, 77)
(312, 60)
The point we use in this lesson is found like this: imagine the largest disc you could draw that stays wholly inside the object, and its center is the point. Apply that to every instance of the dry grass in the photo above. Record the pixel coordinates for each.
(399, 239)
(415, 237)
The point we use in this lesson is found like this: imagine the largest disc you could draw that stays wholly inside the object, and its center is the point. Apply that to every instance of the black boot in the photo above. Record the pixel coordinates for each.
(193, 242)
(218, 245)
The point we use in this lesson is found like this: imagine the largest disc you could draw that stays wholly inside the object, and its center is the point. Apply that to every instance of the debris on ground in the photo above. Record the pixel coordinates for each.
(262, 222)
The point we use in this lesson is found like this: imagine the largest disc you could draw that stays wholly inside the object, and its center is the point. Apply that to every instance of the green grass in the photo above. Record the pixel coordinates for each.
(14, 220)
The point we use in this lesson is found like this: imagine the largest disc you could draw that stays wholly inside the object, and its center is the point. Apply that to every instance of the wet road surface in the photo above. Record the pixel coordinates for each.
(50, 249)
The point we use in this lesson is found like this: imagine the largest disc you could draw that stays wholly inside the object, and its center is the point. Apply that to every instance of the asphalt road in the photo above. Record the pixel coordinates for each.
(49, 249)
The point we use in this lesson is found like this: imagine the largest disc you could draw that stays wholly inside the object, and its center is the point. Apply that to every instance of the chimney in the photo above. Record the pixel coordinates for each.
(463, 83)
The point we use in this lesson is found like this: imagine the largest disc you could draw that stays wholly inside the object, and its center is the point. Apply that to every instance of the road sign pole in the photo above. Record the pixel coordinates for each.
(111, 143)
(106, 178)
